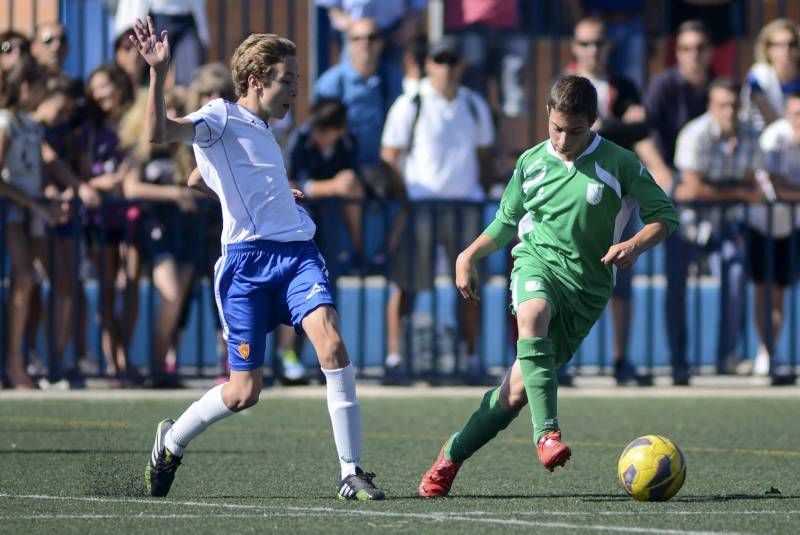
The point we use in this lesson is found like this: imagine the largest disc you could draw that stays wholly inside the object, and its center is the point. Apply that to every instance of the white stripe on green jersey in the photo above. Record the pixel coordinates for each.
(567, 214)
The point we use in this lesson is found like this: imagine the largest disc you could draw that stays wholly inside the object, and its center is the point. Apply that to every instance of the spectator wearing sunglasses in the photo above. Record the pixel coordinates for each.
(50, 46)
(622, 119)
(398, 21)
(367, 90)
(13, 45)
(439, 141)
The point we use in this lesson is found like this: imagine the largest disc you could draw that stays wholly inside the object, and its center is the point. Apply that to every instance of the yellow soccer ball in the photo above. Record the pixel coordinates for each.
(651, 469)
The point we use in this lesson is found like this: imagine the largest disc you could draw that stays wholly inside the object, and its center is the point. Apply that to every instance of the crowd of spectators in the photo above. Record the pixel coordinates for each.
(400, 119)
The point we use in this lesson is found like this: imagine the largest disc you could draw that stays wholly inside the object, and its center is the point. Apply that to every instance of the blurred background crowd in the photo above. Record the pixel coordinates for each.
(409, 121)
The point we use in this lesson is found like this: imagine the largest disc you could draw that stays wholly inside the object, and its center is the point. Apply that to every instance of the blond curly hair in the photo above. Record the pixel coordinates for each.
(256, 55)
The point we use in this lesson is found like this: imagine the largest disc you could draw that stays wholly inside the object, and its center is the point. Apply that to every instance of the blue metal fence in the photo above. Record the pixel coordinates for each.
(432, 330)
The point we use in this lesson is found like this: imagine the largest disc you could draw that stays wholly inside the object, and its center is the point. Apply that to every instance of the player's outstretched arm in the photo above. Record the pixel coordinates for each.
(155, 51)
(466, 273)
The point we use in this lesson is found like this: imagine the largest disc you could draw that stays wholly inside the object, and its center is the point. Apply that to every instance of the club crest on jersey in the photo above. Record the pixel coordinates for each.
(594, 193)
(244, 350)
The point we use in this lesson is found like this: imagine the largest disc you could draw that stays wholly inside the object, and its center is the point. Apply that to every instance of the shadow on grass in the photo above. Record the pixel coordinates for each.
(733, 497)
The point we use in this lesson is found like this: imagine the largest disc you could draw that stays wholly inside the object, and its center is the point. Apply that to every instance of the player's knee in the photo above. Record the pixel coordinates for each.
(332, 353)
(533, 321)
(516, 400)
(239, 399)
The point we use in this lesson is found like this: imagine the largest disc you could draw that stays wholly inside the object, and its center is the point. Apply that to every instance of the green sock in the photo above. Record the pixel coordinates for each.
(482, 426)
(537, 361)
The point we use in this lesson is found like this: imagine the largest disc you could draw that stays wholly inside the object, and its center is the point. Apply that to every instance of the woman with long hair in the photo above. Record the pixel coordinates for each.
(109, 94)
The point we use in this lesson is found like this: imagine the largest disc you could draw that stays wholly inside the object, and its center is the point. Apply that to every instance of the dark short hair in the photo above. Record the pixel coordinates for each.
(693, 25)
(328, 113)
(8, 35)
(64, 85)
(725, 83)
(573, 95)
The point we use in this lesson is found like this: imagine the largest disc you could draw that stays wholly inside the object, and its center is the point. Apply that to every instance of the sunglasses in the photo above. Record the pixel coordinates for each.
(696, 48)
(598, 43)
(446, 59)
(372, 37)
(782, 44)
(49, 38)
(7, 47)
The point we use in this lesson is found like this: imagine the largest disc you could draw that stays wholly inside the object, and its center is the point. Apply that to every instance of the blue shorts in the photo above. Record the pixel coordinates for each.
(261, 284)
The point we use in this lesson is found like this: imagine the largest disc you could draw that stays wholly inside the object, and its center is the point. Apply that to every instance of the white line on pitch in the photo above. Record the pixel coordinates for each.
(435, 516)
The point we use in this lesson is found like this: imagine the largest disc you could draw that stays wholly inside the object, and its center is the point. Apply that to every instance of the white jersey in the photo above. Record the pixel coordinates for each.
(443, 163)
(241, 162)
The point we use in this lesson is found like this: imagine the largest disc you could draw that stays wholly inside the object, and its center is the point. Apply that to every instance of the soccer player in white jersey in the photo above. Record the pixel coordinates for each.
(270, 271)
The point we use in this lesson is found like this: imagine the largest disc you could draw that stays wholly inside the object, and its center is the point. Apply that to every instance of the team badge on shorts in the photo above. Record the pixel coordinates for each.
(244, 350)
(594, 193)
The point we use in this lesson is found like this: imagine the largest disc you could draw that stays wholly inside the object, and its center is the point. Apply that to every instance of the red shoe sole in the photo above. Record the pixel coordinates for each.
(559, 460)
(425, 493)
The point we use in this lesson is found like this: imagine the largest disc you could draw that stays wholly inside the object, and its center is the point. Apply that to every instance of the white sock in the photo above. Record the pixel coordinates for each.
(200, 414)
(345, 417)
(393, 360)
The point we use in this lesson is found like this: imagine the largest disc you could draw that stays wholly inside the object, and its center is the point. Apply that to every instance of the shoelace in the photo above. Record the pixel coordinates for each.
(366, 476)
(164, 465)
(549, 437)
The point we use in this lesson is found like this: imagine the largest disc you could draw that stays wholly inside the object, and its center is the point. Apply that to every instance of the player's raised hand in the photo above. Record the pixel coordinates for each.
(623, 254)
(153, 49)
(467, 279)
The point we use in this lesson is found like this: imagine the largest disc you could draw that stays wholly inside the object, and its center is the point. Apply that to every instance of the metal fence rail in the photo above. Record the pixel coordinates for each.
(432, 339)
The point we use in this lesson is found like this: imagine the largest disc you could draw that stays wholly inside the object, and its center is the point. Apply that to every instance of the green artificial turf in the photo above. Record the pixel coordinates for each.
(77, 466)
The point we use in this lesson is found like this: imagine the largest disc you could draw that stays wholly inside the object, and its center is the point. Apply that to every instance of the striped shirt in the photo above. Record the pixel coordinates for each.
(701, 148)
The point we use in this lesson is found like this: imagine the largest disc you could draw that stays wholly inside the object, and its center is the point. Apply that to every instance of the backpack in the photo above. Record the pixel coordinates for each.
(417, 101)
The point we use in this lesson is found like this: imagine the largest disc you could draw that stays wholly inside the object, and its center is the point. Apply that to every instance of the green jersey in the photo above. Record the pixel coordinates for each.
(567, 214)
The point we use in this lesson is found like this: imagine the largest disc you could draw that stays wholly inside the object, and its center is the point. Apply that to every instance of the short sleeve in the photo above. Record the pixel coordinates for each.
(399, 121)
(329, 85)
(757, 161)
(504, 226)
(485, 124)
(6, 122)
(654, 204)
(209, 122)
(770, 147)
(752, 83)
(688, 150)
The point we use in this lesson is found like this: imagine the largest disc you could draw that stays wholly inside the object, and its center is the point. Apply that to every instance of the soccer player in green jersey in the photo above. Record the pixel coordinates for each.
(568, 201)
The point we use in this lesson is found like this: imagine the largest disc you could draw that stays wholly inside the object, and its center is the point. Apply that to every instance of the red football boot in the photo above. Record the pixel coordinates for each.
(439, 478)
(552, 452)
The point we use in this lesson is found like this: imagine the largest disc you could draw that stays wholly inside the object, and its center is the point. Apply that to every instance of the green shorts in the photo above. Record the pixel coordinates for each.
(571, 316)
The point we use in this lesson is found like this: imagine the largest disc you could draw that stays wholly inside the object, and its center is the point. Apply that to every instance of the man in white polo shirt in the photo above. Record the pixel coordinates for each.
(439, 140)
